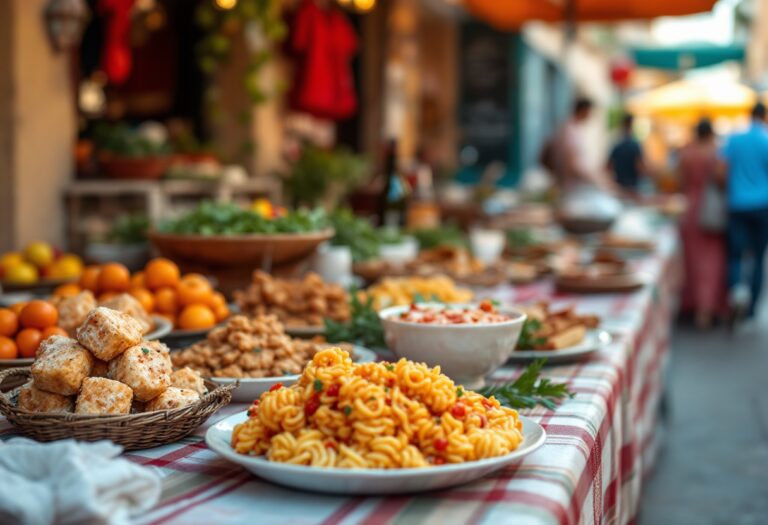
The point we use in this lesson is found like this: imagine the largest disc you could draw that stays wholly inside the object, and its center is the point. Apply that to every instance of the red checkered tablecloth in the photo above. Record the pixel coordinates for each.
(591, 469)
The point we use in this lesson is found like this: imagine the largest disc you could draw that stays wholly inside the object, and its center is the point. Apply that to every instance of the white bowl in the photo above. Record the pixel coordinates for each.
(465, 353)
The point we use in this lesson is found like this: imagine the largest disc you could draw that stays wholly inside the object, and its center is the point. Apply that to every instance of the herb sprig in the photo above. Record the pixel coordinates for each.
(529, 390)
(363, 327)
(528, 339)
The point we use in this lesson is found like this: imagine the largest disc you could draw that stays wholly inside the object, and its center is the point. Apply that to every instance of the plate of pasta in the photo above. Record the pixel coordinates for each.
(373, 428)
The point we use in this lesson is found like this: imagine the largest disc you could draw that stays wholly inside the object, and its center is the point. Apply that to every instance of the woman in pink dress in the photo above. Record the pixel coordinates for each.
(704, 291)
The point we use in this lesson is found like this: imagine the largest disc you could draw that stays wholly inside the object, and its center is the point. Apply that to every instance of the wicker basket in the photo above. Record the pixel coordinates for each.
(132, 431)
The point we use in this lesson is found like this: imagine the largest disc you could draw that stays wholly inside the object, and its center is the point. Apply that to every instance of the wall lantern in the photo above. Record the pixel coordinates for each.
(65, 21)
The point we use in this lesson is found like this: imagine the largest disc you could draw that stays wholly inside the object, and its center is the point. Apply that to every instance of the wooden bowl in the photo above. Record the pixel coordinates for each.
(238, 250)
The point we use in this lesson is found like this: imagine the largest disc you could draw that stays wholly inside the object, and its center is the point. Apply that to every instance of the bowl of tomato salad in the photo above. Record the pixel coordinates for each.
(467, 341)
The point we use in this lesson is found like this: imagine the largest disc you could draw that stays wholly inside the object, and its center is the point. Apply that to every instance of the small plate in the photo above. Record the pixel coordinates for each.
(368, 481)
(251, 388)
(162, 328)
(623, 283)
(593, 341)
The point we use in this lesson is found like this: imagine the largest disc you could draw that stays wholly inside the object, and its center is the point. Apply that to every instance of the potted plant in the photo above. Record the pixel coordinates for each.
(323, 177)
(126, 153)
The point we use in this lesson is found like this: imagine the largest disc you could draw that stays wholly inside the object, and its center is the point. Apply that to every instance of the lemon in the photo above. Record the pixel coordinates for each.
(22, 273)
(39, 253)
(10, 259)
(68, 266)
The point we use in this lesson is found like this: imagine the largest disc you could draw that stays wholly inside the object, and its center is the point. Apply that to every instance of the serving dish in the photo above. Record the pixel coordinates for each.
(237, 250)
(162, 327)
(465, 352)
(593, 341)
(368, 481)
(247, 389)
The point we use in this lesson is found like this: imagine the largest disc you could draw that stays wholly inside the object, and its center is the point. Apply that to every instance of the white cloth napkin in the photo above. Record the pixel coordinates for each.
(69, 482)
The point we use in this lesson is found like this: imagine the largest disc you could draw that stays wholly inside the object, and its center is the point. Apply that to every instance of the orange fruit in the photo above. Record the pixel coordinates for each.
(67, 290)
(39, 314)
(144, 297)
(137, 280)
(217, 299)
(196, 317)
(18, 307)
(105, 296)
(161, 272)
(221, 312)
(8, 348)
(166, 301)
(89, 279)
(114, 277)
(54, 330)
(28, 341)
(194, 291)
(9, 322)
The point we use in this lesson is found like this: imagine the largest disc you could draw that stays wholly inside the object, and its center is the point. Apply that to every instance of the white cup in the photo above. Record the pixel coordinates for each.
(487, 245)
(399, 253)
(333, 264)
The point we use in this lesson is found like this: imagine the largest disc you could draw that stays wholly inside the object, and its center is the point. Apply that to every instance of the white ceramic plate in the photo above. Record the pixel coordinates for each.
(162, 328)
(251, 388)
(593, 341)
(368, 481)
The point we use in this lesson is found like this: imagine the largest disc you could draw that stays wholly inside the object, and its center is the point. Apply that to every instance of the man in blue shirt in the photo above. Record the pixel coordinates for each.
(626, 158)
(746, 158)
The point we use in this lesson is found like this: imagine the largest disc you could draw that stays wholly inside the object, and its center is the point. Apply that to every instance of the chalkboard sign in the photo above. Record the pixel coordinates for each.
(486, 104)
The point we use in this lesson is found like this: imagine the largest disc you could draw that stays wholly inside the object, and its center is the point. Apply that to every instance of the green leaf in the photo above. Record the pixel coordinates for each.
(529, 390)
(318, 385)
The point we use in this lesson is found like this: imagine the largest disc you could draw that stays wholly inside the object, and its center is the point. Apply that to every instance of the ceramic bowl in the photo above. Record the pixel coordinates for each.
(466, 353)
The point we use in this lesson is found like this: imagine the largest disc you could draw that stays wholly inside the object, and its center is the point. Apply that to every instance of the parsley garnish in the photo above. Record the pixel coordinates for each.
(318, 385)
(363, 327)
(459, 392)
(529, 389)
(528, 339)
(347, 410)
(390, 367)
(145, 350)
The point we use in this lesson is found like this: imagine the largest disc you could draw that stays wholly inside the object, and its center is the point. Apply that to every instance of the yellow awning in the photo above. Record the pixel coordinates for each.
(691, 99)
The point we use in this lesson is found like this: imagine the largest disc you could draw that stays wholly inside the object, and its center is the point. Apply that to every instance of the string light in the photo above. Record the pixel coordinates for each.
(364, 5)
(225, 4)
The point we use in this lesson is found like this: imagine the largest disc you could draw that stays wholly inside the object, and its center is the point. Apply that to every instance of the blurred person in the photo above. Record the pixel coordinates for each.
(566, 154)
(704, 251)
(745, 158)
(626, 158)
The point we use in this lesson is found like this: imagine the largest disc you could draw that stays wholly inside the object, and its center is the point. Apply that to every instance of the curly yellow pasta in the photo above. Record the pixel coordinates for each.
(375, 415)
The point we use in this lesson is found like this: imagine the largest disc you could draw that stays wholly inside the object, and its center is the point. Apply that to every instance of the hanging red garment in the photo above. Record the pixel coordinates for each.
(116, 60)
(324, 42)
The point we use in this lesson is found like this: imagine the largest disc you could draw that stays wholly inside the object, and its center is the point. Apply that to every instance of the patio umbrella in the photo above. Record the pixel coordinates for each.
(692, 99)
(511, 14)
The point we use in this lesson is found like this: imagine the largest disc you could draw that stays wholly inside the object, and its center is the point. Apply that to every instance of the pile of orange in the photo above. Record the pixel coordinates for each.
(24, 325)
(188, 301)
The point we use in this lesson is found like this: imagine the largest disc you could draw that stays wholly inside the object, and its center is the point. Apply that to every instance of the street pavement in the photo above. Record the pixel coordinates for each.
(713, 467)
